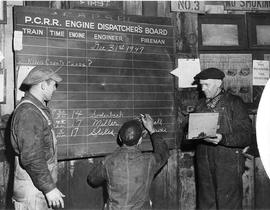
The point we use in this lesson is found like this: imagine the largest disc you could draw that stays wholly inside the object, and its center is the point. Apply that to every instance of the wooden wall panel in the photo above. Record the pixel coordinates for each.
(187, 191)
(163, 9)
(186, 34)
(133, 7)
(164, 188)
(8, 60)
(149, 8)
(261, 187)
(72, 182)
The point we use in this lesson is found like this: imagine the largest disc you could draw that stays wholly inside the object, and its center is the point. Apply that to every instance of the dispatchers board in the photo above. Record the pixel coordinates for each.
(113, 69)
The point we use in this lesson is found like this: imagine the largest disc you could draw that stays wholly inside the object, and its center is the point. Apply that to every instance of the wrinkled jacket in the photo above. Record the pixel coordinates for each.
(32, 141)
(234, 122)
(220, 167)
(129, 174)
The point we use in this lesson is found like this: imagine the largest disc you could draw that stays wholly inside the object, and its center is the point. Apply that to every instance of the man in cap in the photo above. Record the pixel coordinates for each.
(127, 171)
(34, 143)
(219, 160)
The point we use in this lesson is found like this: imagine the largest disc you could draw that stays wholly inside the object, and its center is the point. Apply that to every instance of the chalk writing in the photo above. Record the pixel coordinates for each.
(74, 132)
(158, 121)
(105, 123)
(118, 47)
(60, 133)
(111, 114)
(101, 132)
(161, 130)
(77, 120)
(80, 63)
(77, 114)
(55, 61)
(60, 123)
(59, 114)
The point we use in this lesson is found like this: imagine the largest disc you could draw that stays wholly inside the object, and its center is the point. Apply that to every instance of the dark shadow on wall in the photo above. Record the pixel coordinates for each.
(8, 160)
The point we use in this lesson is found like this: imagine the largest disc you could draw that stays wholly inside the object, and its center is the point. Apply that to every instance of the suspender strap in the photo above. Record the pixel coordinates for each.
(44, 115)
(42, 112)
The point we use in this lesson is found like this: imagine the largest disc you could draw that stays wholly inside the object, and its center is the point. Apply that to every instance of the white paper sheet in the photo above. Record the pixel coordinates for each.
(186, 70)
(260, 72)
(2, 87)
(17, 41)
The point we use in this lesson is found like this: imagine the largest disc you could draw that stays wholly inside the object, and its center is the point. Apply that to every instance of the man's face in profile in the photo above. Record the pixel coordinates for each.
(210, 87)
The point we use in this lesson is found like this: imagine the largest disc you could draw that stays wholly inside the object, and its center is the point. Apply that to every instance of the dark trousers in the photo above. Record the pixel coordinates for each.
(219, 182)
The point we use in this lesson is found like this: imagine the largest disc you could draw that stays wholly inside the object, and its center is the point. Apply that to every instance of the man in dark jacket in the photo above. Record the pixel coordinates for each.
(34, 142)
(220, 162)
(129, 172)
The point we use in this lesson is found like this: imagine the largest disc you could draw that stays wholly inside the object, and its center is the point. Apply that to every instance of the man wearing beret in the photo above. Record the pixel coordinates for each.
(127, 171)
(34, 143)
(219, 160)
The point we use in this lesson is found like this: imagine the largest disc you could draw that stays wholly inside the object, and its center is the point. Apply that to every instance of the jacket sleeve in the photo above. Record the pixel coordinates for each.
(97, 174)
(161, 150)
(31, 149)
(240, 134)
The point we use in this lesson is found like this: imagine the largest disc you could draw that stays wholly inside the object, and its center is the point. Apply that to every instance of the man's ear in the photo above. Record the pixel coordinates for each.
(219, 83)
(42, 85)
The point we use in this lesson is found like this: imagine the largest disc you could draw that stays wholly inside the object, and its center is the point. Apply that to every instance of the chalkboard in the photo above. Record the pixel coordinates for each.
(113, 69)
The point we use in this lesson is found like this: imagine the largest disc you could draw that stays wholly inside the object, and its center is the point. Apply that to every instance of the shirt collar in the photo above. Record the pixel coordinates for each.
(29, 96)
(211, 103)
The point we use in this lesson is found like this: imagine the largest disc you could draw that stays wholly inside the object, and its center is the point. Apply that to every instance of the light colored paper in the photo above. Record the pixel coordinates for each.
(197, 125)
(17, 41)
(22, 73)
(1, 56)
(186, 70)
(2, 87)
(260, 72)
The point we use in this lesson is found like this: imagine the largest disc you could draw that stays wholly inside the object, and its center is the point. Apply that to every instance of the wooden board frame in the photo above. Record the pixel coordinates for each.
(3, 12)
(221, 32)
(258, 30)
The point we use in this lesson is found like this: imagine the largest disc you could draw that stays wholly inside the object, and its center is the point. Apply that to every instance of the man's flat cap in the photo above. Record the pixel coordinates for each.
(41, 73)
(210, 73)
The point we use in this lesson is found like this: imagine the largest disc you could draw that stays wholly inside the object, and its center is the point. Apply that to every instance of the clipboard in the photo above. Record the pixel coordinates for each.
(202, 125)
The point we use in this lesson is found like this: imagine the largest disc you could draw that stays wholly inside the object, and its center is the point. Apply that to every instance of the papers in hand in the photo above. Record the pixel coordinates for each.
(202, 125)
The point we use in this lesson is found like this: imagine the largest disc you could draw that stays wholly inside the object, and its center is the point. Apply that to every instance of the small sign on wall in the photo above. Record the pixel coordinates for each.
(260, 72)
(108, 5)
(188, 6)
(247, 5)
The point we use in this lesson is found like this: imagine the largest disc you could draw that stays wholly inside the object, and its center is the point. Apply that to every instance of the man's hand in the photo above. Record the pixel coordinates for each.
(214, 140)
(148, 123)
(54, 198)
